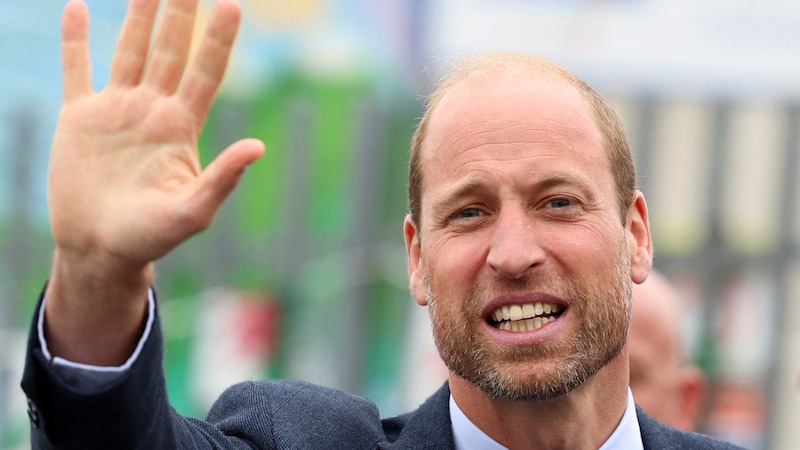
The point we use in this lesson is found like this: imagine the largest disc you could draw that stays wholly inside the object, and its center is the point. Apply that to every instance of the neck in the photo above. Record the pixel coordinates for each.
(583, 419)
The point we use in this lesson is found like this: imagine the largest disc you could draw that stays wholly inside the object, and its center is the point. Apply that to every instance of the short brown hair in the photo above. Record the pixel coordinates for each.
(609, 123)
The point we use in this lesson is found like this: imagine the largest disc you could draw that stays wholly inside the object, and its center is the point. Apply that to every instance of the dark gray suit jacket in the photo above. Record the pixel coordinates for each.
(134, 412)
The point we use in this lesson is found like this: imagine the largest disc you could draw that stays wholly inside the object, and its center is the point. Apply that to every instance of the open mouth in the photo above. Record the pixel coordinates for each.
(525, 317)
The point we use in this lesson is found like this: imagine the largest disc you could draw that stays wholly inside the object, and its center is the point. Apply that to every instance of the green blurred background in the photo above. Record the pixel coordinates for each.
(303, 273)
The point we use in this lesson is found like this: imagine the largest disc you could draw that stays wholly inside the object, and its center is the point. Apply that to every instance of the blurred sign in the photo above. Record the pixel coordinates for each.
(746, 47)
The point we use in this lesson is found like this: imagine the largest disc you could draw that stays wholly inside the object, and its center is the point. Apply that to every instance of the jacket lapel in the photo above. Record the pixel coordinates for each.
(427, 427)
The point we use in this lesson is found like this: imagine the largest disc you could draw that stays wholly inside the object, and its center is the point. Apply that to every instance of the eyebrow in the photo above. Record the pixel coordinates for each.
(471, 186)
(560, 179)
(476, 185)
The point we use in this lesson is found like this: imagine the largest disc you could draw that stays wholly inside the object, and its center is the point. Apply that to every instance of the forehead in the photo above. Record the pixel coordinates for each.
(512, 117)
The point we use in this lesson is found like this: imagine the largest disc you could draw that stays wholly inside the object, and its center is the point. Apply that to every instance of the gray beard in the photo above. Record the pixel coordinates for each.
(597, 343)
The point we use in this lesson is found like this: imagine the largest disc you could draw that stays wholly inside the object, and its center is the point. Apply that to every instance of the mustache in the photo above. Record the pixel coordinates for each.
(546, 282)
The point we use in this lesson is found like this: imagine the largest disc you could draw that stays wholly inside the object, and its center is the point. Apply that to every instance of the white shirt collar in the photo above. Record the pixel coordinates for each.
(468, 436)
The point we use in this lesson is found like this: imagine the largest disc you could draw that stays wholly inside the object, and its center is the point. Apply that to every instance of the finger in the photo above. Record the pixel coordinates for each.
(220, 178)
(134, 43)
(76, 63)
(171, 49)
(205, 74)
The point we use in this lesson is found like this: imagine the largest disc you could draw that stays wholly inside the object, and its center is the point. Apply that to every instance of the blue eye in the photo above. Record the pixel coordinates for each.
(469, 212)
(560, 203)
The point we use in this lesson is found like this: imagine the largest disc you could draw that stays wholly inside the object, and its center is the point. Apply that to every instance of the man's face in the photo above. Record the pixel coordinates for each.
(520, 251)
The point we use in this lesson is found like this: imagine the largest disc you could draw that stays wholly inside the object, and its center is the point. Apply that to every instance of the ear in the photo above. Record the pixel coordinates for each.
(640, 242)
(415, 270)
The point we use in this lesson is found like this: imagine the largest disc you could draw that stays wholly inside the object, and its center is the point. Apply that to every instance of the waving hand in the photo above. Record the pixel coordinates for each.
(125, 182)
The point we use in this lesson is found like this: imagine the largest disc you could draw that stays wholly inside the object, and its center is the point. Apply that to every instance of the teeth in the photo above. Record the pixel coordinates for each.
(528, 310)
(515, 312)
(525, 325)
(527, 317)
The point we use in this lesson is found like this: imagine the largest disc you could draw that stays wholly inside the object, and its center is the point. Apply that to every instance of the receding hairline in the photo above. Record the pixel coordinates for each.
(477, 67)
(485, 66)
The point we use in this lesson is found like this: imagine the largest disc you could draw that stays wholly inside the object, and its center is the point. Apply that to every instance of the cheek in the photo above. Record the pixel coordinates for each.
(586, 246)
(453, 261)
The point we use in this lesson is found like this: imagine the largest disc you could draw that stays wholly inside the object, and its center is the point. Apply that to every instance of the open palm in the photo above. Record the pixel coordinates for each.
(125, 179)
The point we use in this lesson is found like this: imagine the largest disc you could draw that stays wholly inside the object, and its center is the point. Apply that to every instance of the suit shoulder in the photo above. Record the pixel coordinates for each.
(292, 395)
(656, 435)
(298, 414)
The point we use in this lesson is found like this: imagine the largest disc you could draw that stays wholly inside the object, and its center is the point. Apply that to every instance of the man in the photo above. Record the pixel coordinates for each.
(667, 386)
(524, 236)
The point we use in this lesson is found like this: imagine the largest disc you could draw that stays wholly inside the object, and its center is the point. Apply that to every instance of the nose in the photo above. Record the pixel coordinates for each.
(514, 247)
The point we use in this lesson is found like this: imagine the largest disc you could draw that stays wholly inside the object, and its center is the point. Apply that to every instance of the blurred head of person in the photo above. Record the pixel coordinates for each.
(664, 383)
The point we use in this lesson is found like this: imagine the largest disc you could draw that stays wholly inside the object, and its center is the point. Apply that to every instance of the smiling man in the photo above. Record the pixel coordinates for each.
(524, 236)
(523, 243)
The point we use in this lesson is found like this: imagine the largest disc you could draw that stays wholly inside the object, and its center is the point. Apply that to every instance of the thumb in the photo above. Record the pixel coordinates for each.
(223, 174)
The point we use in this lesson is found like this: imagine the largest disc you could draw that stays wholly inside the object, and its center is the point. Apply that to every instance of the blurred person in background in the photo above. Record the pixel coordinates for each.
(664, 382)
(524, 236)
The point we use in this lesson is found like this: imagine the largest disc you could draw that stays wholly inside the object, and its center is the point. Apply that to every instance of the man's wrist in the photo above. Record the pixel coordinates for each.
(85, 377)
(95, 318)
